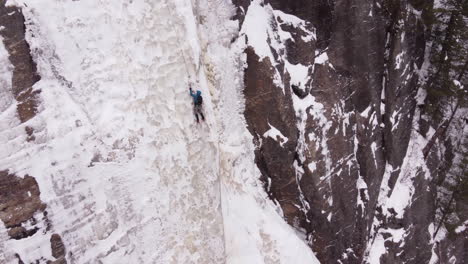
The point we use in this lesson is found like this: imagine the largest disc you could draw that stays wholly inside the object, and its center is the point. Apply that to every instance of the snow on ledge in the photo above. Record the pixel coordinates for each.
(257, 28)
(295, 22)
(462, 227)
(276, 135)
(321, 58)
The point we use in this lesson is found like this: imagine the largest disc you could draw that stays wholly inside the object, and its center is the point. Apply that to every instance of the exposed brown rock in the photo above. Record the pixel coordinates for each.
(19, 202)
(260, 94)
(24, 68)
(58, 249)
(19, 232)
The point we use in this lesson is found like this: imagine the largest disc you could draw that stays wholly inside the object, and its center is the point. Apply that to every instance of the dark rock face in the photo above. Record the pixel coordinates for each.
(58, 249)
(24, 72)
(19, 202)
(260, 97)
(22, 211)
(346, 155)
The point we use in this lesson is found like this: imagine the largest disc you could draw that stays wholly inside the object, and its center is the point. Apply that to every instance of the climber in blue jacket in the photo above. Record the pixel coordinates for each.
(197, 104)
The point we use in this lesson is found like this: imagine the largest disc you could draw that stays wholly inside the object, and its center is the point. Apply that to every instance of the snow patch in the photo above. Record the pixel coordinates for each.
(462, 227)
(276, 135)
(399, 60)
(366, 111)
(257, 27)
(299, 74)
(374, 150)
(378, 244)
(312, 166)
(377, 250)
(322, 58)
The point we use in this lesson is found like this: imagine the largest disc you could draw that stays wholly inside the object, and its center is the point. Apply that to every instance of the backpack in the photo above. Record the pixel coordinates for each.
(199, 100)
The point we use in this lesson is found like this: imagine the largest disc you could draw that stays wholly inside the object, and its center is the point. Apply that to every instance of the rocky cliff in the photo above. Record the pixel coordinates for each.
(336, 131)
(336, 102)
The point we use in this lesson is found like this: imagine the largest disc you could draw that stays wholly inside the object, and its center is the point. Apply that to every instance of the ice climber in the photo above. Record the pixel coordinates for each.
(197, 104)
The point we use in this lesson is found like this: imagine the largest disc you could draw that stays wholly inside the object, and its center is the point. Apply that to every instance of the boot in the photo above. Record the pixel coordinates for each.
(202, 117)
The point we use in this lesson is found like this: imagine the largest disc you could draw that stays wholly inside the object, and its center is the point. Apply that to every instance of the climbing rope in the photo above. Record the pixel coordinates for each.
(219, 169)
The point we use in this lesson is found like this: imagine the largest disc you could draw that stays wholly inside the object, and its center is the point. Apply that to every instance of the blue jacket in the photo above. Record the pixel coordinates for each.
(195, 95)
